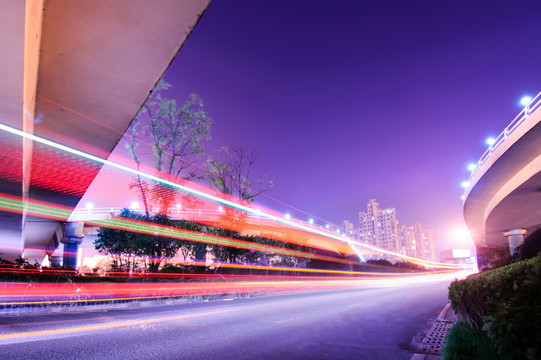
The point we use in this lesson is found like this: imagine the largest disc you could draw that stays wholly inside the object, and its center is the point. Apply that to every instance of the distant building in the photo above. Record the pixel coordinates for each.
(349, 229)
(425, 243)
(457, 256)
(378, 227)
(428, 245)
(406, 240)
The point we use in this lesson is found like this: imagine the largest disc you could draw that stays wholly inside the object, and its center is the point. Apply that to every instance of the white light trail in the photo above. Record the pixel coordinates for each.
(210, 197)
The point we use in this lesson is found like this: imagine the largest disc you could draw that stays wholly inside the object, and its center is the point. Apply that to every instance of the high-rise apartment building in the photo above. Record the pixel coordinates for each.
(406, 240)
(425, 243)
(378, 227)
(428, 245)
(348, 226)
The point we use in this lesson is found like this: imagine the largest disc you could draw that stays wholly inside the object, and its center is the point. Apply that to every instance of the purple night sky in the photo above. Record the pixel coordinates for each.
(351, 100)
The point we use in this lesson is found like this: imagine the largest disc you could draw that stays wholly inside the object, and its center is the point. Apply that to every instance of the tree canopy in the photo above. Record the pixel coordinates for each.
(131, 251)
(176, 134)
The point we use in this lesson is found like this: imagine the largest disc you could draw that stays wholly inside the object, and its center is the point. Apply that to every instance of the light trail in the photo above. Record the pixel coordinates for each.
(13, 204)
(347, 274)
(46, 294)
(218, 199)
(122, 324)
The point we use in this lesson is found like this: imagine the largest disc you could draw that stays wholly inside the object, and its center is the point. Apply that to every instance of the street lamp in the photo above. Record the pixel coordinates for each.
(526, 100)
(472, 166)
(490, 141)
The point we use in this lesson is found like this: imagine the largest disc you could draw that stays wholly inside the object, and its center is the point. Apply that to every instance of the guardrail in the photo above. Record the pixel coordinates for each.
(534, 104)
(177, 214)
(102, 213)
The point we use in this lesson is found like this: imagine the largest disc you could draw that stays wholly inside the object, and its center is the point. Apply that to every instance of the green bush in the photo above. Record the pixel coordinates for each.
(464, 343)
(531, 246)
(171, 269)
(504, 303)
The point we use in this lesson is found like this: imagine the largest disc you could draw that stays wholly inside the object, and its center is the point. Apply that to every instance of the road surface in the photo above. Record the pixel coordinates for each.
(376, 321)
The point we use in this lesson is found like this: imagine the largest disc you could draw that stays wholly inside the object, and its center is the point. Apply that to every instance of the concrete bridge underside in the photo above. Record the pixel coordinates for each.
(75, 72)
(503, 200)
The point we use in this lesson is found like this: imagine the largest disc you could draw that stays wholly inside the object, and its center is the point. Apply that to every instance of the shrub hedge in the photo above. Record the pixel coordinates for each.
(465, 343)
(505, 304)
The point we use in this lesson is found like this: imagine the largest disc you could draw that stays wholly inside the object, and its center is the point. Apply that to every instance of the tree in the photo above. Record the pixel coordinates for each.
(127, 248)
(120, 245)
(131, 144)
(189, 249)
(176, 135)
(158, 248)
(232, 171)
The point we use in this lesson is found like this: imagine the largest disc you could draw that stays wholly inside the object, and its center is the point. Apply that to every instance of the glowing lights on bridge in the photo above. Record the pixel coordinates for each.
(526, 100)
(530, 104)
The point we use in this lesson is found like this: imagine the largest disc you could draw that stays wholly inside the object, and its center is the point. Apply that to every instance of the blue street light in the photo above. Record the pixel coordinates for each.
(526, 100)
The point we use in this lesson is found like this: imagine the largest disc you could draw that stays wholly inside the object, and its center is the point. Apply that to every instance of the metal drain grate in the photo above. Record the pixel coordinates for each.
(434, 340)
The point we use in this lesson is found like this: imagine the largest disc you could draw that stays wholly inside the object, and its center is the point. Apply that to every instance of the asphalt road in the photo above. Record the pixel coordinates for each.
(375, 321)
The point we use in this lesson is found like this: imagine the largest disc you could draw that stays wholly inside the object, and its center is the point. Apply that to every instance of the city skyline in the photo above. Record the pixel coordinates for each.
(380, 227)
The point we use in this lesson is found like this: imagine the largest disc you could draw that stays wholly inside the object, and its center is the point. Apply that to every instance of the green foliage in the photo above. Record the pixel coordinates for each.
(171, 269)
(466, 343)
(228, 254)
(21, 261)
(122, 246)
(6, 262)
(531, 246)
(231, 172)
(129, 249)
(380, 262)
(505, 303)
(177, 134)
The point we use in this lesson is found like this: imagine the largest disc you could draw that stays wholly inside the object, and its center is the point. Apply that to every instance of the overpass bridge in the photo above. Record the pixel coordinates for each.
(502, 198)
(77, 73)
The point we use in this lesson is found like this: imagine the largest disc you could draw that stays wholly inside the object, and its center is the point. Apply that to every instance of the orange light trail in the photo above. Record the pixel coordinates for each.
(114, 325)
(14, 204)
(73, 293)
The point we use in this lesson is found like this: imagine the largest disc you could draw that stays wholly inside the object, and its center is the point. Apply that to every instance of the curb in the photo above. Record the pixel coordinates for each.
(432, 344)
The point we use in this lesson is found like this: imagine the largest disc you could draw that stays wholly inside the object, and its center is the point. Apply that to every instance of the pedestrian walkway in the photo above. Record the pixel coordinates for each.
(431, 346)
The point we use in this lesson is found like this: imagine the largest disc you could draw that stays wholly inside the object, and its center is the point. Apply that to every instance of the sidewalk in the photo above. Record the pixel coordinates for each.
(431, 346)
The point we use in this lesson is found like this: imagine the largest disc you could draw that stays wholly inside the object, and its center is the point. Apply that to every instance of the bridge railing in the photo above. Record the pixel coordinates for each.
(534, 104)
(175, 214)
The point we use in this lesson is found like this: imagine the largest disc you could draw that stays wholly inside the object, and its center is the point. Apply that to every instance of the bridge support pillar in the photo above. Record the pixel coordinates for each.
(515, 238)
(73, 237)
